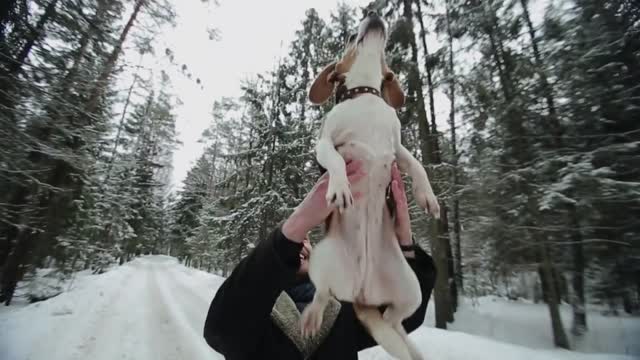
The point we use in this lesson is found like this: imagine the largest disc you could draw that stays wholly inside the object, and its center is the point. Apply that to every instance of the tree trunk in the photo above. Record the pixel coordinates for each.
(429, 155)
(430, 87)
(34, 35)
(544, 82)
(444, 238)
(10, 232)
(455, 213)
(415, 90)
(497, 50)
(116, 140)
(559, 335)
(443, 228)
(9, 81)
(83, 45)
(579, 326)
(578, 301)
(101, 83)
(13, 269)
(27, 242)
(441, 289)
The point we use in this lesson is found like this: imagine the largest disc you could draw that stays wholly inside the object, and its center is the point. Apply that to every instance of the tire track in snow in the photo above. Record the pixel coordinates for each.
(193, 305)
(185, 332)
(113, 331)
(82, 308)
(139, 311)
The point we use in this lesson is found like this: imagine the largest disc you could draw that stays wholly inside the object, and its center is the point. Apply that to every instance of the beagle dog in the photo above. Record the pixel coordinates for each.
(360, 260)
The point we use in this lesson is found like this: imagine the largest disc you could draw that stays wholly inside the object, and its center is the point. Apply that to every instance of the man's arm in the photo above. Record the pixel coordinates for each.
(422, 265)
(240, 311)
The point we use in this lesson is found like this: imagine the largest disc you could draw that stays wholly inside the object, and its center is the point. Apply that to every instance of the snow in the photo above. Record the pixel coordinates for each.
(43, 284)
(527, 324)
(451, 345)
(154, 308)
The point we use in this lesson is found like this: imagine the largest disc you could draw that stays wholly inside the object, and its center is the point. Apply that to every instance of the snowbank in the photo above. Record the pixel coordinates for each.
(451, 345)
(528, 324)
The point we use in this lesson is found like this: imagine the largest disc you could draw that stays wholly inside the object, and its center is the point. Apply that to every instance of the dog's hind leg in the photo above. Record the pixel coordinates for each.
(383, 332)
(394, 316)
(413, 350)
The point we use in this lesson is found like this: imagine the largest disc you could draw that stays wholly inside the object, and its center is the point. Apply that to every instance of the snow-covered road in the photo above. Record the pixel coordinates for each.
(154, 308)
(151, 308)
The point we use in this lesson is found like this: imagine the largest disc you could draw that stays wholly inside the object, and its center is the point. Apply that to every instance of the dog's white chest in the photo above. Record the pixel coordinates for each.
(367, 120)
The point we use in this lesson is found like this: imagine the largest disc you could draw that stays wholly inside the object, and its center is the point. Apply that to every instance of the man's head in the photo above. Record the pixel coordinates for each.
(362, 64)
(304, 256)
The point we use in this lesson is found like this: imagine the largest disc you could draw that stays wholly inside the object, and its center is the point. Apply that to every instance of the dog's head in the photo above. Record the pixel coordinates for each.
(362, 64)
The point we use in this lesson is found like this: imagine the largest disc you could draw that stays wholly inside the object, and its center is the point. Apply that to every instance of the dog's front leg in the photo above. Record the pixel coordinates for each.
(422, 190)
(338, 192)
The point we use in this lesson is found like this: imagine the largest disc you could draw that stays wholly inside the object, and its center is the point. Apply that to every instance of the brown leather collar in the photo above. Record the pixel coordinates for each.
(342, 93)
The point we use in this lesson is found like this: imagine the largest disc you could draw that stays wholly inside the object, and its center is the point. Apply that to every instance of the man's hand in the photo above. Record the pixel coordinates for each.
(313, 210)
(403, 221)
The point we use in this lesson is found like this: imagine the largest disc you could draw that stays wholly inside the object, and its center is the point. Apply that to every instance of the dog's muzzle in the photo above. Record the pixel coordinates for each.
(374, 23)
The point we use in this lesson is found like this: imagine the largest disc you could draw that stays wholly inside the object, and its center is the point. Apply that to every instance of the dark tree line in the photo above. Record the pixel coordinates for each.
(74, 195)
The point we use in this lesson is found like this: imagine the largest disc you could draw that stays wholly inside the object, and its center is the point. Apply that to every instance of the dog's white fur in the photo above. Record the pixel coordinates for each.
(360, 260)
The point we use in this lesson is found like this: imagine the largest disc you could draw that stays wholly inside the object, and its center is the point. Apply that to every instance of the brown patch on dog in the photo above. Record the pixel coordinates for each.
(325, 83)
(391, 90)
(321, 88)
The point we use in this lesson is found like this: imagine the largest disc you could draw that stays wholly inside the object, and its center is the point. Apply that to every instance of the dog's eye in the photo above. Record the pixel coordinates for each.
(352, 37)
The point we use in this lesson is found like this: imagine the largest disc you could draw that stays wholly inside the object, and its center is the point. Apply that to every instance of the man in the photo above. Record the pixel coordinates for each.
(256, 312)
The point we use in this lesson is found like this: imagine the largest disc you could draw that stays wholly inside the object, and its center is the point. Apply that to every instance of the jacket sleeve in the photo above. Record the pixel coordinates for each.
(240, 311)
(422, 265)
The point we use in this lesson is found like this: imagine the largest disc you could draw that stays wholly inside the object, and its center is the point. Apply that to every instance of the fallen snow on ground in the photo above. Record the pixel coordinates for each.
(154, 308)
(438, 344)
(525, 323)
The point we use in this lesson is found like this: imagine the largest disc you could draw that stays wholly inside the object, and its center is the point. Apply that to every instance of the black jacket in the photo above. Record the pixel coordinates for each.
(239, 325)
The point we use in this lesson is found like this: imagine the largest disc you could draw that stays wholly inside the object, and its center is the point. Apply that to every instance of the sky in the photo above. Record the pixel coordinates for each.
(253, 35)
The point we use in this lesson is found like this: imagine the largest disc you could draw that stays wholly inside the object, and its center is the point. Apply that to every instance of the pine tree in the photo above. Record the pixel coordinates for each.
(58, 101)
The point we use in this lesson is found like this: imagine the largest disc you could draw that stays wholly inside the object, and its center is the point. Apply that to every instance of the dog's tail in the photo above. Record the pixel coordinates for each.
(394, 341)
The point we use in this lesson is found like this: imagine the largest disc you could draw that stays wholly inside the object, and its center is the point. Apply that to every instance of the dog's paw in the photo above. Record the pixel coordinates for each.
(428, 201)
(339, 194)
(311, 319)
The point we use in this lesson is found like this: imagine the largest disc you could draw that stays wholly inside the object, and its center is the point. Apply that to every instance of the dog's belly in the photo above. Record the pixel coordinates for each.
(360, 259)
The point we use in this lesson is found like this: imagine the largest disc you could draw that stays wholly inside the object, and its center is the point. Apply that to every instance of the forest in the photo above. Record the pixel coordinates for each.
(524, 112)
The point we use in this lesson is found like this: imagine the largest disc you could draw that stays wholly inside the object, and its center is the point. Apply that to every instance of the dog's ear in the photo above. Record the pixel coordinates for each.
(392, 91)
(323, 85)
